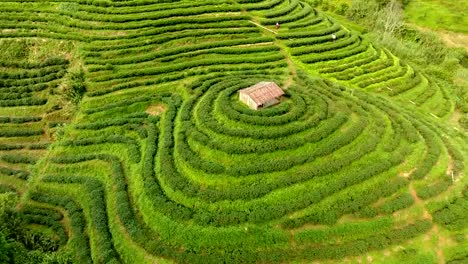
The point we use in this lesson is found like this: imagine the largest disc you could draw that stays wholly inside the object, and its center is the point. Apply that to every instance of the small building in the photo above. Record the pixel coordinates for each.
(261, 95)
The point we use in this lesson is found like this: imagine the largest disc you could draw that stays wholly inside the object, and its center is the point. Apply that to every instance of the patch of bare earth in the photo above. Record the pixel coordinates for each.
(407, 174)
(452, 39)
(228, 14)
(120, 33)
(255, 44)
(9, 30)
(156, 109)
(455, 117)
(450, 166)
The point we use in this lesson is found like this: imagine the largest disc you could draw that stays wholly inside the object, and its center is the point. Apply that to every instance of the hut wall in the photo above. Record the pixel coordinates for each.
(248, 101)
(270, 103)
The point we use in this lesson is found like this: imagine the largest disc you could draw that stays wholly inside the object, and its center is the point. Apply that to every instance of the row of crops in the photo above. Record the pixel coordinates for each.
(335, 52)
(149, 43)
(30, 113)
(26, 116)
(162, 163)
(204, 182)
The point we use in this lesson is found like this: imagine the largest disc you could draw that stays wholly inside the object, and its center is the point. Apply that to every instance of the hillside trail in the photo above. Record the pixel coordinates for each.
(284, 51)
(435, 229)
(265, 28)
(292, 71)
(291, 66)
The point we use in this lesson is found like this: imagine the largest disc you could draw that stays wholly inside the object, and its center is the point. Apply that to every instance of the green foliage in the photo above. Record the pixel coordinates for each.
(464, 121)
(362, 11)
(18, 159)
(21, 132)
(452, 214)
(21, 174)
(437, 15)
(397, 203)
(19, 244)
(76, 86)
(163, 163)
(77, 223)
(13, 50)
(6, 189)
(6, 249)
(431, 48)
(435, 188)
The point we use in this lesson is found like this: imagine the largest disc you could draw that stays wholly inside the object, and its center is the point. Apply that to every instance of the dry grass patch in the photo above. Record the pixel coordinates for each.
(156, 109)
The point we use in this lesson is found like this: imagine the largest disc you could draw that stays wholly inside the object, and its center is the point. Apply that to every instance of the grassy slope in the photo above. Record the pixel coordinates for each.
(439, 14)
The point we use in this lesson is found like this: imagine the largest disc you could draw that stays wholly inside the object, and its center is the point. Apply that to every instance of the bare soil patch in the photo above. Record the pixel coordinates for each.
(156, 109)
(452, 39)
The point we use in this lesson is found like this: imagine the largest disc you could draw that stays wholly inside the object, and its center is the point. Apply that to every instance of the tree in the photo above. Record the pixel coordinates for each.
(384, 16)
(18, 244)
(390, 18)
(6, 249)
(363, 11)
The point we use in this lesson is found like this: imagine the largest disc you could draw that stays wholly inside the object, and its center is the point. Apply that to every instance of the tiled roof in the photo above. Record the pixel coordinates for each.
(263, 92)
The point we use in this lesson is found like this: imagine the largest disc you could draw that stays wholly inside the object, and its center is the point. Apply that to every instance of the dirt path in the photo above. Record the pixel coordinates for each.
(419, 202)
(456, 115)
(254, 44)
(452, 39)
(265, 28)
(435, 228)
(291, 66)
(292, 72)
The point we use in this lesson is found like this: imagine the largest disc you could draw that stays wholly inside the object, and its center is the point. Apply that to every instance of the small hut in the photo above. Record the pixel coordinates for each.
(261, 95)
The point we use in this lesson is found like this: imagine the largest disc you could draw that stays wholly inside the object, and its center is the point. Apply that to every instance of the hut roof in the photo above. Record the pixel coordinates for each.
(263, 92)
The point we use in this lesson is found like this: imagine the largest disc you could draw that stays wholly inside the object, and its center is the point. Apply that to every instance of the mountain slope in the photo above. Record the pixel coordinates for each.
(162, 163)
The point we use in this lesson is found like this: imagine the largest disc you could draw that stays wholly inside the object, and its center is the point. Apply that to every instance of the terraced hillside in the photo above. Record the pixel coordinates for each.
(162, 163)
(30, 111)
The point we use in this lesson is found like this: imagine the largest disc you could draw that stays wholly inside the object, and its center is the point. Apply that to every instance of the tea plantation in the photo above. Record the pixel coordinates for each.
(122, 136)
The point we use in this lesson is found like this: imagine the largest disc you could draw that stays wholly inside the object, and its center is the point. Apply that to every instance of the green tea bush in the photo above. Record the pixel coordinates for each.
(25, 132)
(21, 174)
(435, 188)
(97, 213)
(308, 34)
(209, 180)
(452, 214)
(397, 203)
(10, 158)
(343, 42)
(305, 11)
(77, 222)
